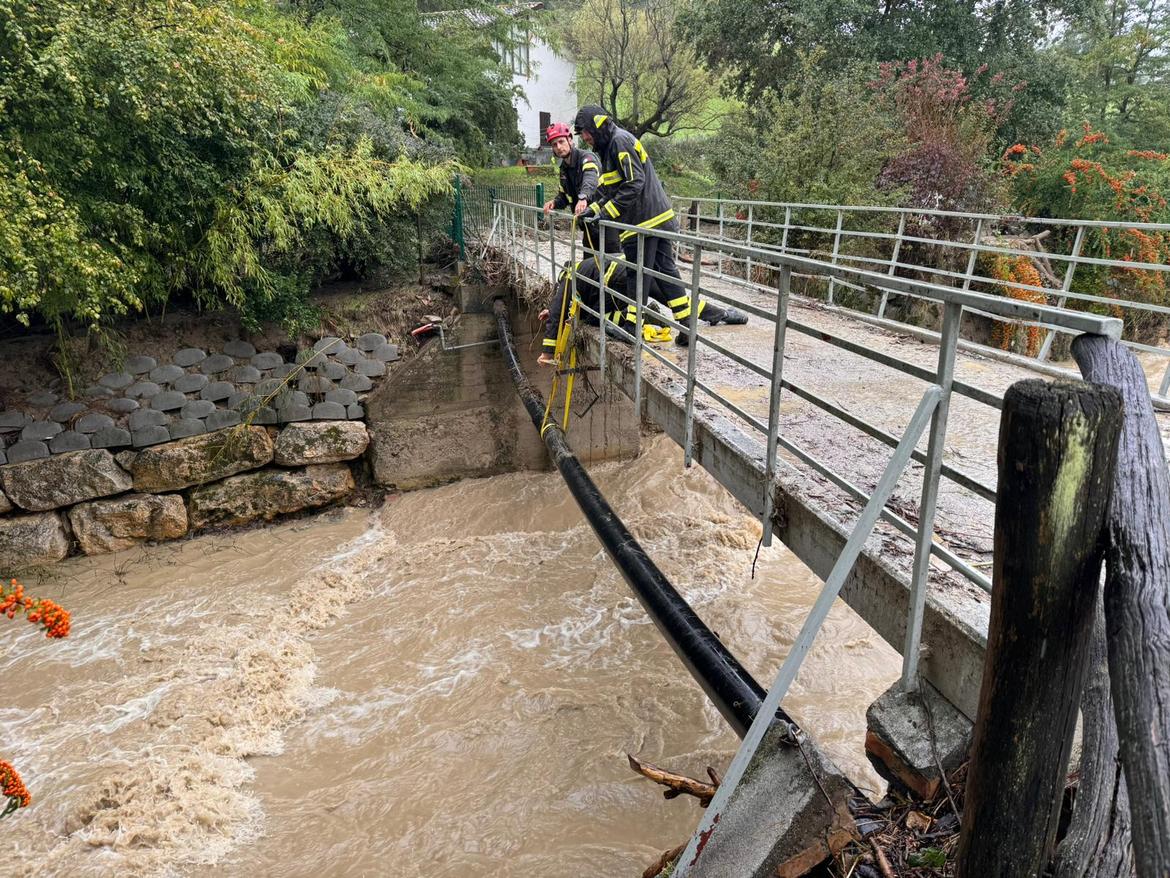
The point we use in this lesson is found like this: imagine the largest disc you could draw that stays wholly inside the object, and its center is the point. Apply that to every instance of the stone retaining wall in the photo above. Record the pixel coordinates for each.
(151, 402)
(95, 501)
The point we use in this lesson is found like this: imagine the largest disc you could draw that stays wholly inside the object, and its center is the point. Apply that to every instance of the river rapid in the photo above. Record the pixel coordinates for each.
(444, 686)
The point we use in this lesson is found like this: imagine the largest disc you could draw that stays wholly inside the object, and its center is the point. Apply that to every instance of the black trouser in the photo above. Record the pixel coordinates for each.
(590, 234)
(590, 294)
(658, 254)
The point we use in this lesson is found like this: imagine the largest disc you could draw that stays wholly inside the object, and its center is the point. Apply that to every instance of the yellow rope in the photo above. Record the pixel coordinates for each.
(564, 332)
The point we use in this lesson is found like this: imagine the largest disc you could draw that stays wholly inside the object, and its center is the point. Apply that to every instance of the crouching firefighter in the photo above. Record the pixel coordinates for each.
(618, 282)
(578, 183)
(631, 193)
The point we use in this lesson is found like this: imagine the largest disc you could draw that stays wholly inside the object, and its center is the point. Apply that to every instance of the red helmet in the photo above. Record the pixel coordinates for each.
(557, 130)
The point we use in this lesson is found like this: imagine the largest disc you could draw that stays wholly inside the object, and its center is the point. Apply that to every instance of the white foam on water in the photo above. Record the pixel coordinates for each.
(185, 711)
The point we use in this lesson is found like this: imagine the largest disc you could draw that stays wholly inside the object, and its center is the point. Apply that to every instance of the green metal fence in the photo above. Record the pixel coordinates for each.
(474, 208)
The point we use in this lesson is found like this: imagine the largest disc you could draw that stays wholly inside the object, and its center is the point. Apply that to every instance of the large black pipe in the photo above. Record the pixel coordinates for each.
(729, 686)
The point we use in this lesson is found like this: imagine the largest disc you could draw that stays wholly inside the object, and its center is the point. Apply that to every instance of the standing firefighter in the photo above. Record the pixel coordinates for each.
(631, 193)
(578, 178)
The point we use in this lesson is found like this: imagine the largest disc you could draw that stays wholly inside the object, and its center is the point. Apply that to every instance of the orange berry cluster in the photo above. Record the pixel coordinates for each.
(39, 611)
(12, 788)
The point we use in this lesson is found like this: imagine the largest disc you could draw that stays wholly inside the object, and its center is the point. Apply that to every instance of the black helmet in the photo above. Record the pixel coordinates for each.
(595, 120)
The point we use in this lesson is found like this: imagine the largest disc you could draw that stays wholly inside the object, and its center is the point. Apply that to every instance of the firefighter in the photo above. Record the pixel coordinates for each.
(588, 272)
(578, 181)
(617, 280)
(631, 193)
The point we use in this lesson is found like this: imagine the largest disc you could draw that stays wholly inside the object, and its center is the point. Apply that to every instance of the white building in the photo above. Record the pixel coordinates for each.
(550, 94)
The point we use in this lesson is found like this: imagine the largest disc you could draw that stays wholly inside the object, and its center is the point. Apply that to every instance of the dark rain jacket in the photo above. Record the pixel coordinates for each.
(579, 175)
(630, 191)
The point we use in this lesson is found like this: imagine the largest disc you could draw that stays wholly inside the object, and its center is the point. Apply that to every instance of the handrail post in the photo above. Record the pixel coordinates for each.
(920, 577)
(749, 243)
(893, 262)
(457, 220)
(784, 234)
(639, 298)
(572, 268)
(973, 256)
(601, 293)
(836, 250)
(536, 242)
(693, 324)
(552, 245)
(1066, 285)
(720, 269)
(782, 291)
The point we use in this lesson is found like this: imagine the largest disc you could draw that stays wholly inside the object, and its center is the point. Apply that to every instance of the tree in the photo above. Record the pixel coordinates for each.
(780, 150)
(757, 42)
(641, 71)
(237, 153)
(1122, 50)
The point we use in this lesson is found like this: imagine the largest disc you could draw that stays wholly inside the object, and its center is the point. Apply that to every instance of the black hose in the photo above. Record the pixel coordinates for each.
(729, 686)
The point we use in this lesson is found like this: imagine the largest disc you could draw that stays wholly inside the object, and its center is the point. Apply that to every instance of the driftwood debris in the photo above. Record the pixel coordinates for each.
(678, 784)
(1137, 600)
(664, 860)
(1056, 454)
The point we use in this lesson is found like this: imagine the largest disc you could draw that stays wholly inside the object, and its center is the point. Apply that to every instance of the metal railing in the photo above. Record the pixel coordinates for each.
(942, 243)
(520, 232)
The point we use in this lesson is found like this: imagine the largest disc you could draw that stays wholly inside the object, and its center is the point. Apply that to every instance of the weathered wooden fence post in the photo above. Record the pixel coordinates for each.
(1056, 450)
(1097, 844)
(1137, 601)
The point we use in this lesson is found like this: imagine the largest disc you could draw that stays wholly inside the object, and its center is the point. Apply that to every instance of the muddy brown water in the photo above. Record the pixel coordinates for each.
(445, 686)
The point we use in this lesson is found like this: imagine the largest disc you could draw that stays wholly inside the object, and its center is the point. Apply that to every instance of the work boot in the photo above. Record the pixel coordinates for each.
(682, 338)
(614, 331)
(715, 315)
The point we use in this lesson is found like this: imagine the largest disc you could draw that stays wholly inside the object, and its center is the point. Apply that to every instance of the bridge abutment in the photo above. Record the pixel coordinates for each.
(452, 413)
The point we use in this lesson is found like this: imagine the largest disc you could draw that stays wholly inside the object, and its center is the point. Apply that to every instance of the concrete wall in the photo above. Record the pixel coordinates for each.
(453, 414)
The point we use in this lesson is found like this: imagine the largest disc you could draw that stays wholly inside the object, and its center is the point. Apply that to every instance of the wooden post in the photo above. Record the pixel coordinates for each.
(1056, 450)
(1097, 844)
(1137, 601)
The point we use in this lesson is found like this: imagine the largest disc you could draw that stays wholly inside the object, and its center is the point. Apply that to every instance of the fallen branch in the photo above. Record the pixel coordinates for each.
(678, 783)
(883, 863)
(663, 861)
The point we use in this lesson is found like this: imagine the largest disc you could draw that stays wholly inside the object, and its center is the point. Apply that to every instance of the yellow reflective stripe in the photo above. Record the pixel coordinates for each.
(681, 300)
(702, 305)
(587, 165)
(611, 210)
(629, 164)
(651, 223)
(610, 177)
(598, 121)
(657, 220)
(609, 271)
(550, 342)
(683, 314)
(640, 150)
